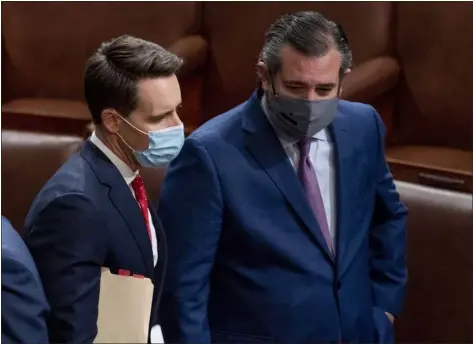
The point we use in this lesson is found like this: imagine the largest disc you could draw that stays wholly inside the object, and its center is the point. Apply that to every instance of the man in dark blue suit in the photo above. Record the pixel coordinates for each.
(94, 211)
(282, 218)
(24, 305)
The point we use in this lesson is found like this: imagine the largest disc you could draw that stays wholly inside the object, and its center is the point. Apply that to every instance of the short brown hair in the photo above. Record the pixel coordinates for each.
(113, 71)
(308, 32)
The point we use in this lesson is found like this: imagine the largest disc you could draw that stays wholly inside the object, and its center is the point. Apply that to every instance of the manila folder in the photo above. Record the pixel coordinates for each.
(124, 309)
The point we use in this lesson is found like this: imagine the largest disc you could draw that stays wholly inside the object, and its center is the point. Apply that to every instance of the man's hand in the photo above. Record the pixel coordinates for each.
(390, 317)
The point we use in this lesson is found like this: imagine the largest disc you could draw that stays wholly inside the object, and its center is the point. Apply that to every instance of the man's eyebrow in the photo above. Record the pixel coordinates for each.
(327, 85)
(167, 112)
(294, 82)
(301, 83)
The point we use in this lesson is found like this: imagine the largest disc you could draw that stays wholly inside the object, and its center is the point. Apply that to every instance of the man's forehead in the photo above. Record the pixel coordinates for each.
(159, 94)
(310, 70)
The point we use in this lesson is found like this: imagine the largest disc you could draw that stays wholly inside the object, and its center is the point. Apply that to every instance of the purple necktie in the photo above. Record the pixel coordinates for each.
(309, 181)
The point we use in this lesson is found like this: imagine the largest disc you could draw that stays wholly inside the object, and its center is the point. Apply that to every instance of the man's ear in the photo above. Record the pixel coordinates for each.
(263, 75)
(110, 120)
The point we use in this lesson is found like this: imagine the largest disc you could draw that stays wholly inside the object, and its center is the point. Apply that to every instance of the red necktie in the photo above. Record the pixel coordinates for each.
(139, 187)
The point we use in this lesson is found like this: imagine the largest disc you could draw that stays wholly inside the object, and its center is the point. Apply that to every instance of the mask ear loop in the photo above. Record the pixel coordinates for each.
(272, 86)
(283, 114)
(339, 86)
(126, 143)
(272, 82)
(131, 125)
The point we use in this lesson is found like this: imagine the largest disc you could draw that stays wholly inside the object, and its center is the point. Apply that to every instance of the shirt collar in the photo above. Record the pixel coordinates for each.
(321, 135)
(123, 168)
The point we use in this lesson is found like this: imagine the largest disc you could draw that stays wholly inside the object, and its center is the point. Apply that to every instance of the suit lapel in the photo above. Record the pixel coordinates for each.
(160, 237)
(123, 200)
(344, 163)
(262, 142)
(162, 248)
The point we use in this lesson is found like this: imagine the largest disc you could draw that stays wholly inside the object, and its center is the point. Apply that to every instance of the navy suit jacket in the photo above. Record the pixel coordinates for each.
(247, 260)
(83, 219)
(24, 305)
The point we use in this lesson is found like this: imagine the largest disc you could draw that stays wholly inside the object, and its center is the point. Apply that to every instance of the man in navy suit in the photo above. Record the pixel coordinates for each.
(282, 218)
(94, 211)
(24, 305)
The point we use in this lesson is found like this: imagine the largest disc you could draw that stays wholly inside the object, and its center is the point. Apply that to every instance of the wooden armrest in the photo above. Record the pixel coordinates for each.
(193, 50)
(371, 79)
(439, 167)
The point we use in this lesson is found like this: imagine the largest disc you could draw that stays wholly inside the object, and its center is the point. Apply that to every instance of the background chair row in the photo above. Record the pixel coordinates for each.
(413, 63)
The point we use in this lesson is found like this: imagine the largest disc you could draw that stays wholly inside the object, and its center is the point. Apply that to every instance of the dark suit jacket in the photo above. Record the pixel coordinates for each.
(84, 218)
(24, 305)
(248, 262)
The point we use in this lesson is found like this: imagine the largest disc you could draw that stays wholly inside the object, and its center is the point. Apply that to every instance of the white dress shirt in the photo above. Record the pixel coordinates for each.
(129, 176)
(321, 155)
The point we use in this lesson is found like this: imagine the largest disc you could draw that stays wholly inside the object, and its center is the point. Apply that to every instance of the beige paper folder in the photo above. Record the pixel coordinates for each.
(124, 309)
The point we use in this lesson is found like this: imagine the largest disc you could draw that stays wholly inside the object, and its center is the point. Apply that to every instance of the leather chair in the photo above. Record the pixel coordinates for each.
(45, 46)
(439, 295)
(431, 137)
(28, 161)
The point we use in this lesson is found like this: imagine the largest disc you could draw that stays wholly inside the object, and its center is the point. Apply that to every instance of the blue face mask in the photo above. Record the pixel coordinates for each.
(164, 145)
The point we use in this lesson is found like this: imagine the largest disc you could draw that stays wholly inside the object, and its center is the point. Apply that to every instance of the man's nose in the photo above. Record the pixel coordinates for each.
(173, 120)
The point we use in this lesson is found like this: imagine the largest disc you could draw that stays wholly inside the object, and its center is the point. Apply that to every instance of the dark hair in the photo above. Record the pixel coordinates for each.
(113, 71)
(308, 32)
